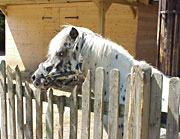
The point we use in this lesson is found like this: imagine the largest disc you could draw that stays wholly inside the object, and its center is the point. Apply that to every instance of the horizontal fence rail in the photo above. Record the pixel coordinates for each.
(142, 110)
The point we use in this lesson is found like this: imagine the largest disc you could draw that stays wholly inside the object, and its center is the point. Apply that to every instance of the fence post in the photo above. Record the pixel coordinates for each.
(138, 115)
(86, 107)
(155, 106)
(173, 109)
(29, 113)
(99, 103)
(3, 89)
(61, 115)
(113, 112)
(11, 102)
(73, 114)
(49, 116)
(38, 99)
(19, 94)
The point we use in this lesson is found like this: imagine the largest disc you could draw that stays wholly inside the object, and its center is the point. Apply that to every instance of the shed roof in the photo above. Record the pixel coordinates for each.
(129, 2)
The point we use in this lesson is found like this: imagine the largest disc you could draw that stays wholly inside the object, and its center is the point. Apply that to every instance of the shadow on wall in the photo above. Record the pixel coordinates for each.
(24, 38)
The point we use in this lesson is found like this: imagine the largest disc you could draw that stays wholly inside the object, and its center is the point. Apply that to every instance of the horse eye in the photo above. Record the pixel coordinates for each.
(60, 54)
(48, 69)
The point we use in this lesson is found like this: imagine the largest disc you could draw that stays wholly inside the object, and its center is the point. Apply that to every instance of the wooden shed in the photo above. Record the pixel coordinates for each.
(31, 24)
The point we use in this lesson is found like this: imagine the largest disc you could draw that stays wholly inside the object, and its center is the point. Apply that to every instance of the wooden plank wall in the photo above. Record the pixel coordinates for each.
(147, 33)
(27, 35)
(121, 26)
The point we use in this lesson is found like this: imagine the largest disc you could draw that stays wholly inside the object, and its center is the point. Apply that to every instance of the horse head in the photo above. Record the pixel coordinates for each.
(63, 62)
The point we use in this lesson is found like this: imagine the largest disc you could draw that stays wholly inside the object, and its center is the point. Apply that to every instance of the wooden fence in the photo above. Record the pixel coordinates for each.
(142, 111)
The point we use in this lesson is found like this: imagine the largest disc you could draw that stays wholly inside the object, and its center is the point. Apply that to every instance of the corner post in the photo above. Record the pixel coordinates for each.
(102, 9)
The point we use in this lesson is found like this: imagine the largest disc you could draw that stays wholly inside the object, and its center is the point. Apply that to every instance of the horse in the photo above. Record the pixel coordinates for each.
(74, 51)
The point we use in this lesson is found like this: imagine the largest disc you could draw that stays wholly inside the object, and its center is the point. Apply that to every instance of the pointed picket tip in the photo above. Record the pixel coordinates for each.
(17, 68)
(3, 62)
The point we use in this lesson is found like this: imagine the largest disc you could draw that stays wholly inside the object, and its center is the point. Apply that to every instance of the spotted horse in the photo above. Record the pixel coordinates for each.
(75, 50)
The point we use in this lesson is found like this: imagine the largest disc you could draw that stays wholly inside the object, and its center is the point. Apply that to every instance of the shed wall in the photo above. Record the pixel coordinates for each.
(28, 33)
(147, 33)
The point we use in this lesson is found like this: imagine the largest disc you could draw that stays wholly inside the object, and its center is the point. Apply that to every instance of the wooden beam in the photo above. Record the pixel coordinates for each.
(5, 2)
(4, 10)
(125, 2)
(101, 19)
(102, 9)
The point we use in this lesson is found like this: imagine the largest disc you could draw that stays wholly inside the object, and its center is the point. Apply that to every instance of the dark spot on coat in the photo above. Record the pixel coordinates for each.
(117, 56)
(83, 41)
(77, 47)
(74, 56)
(121, 87)
(77, 67)
(107, 72)
(65, 44)
(123, 98)
(69, 63)
(105, 92)
(122, 134)
(121, 126)
(95, 64)
(82, 44)
(91, 47)
(60, 64)
(69, 67)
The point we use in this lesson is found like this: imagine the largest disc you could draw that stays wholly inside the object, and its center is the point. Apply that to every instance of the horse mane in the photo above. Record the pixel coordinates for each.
(93, 42)
(100, 46)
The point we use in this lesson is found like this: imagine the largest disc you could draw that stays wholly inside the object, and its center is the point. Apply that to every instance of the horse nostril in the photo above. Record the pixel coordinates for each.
(33, 77)
(45, 83)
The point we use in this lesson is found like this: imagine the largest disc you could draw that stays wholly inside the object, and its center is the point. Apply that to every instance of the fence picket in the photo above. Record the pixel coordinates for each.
(73, 114)
(19, 94)
(38, 99)
(142, 117)
(173, 109)
(113, 113)
(155, 106)
(49, 116)
(86, 107)
(4, 130)
(126, 112)
(11, 102)
(29, 122)
(61, 116)
(99, 104)
(138, 117)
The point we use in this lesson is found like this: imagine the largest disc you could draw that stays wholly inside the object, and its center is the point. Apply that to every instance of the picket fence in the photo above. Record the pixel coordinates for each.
(142, 111)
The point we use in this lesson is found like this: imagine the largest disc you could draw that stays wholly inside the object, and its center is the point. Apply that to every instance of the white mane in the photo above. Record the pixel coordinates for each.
(100, 46)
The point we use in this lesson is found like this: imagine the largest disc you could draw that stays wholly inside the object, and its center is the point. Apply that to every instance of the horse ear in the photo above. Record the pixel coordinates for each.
(73, 33)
